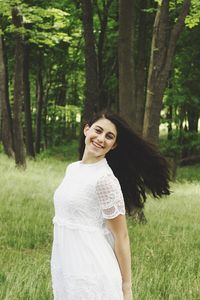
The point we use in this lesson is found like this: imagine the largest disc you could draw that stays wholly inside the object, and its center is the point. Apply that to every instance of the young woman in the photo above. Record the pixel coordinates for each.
(91, 258)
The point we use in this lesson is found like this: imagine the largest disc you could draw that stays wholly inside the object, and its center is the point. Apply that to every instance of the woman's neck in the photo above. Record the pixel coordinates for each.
(90, 159)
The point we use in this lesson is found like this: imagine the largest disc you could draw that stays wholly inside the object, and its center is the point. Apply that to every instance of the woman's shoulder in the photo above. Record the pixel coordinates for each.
(72, 165)
(107, 177)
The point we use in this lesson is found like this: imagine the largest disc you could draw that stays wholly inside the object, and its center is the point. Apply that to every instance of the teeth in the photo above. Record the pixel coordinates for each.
(98, 146)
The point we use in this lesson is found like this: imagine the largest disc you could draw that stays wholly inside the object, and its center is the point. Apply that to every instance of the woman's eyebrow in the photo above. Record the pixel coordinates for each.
(103, 129)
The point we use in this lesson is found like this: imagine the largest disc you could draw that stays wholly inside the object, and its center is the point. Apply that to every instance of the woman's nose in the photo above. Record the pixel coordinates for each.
(100, 138)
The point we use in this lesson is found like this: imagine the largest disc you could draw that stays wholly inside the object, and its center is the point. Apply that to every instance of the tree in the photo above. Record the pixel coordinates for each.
(144, 32)
(7, 135)
(18, 90)
(103, 14)
(163, 46)
(92, 92)
(27, 101)
(127, 96)
(40, 102)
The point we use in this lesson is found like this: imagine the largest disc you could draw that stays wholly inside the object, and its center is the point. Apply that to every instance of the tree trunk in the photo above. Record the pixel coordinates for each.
(27, 104)
(127, 99)
(6, 119)
(45, 113)
(103, 19)
(92, 93)
(61, 75)
(169, 121)
(162, 52)
(193, 118)
(39, 98)
(144, 23)
(18, 91)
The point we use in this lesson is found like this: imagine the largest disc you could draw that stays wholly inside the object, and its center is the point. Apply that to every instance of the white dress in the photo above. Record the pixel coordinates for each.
(83, 262)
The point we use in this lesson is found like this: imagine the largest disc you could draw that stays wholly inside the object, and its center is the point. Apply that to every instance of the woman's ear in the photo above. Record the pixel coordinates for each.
(86, 128)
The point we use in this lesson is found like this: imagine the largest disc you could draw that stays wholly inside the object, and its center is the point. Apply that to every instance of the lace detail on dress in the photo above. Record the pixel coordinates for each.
(110, 196)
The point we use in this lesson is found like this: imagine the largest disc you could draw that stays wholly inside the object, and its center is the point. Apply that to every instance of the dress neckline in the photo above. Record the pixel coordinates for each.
(100, 162)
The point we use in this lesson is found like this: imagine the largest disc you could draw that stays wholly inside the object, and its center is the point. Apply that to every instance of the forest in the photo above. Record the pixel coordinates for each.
(62, 60)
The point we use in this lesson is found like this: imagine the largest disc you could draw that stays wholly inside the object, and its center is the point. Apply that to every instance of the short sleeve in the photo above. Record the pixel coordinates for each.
(110, 196)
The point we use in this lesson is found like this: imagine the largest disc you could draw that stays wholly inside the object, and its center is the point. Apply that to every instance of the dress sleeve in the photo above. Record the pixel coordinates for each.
(110, 196)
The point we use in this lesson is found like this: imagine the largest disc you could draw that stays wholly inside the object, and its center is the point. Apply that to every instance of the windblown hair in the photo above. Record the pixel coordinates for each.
(136, 163)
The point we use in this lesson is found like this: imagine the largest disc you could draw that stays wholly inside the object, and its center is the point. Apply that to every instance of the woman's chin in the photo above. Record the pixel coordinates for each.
(95, 149)
(96, 153)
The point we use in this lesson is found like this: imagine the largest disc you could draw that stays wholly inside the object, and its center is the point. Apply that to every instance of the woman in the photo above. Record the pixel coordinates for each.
(91, 257)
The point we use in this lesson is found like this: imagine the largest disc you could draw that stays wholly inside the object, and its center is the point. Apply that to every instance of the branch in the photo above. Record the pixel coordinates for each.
(177, 28)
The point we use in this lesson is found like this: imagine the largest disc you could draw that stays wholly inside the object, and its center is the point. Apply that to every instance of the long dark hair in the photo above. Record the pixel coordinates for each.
(136, 163)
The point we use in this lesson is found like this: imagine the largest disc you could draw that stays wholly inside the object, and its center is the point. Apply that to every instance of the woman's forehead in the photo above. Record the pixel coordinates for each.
(106, 125)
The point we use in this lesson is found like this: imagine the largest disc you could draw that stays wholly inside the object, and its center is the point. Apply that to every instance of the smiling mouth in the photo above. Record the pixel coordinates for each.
(97, 145)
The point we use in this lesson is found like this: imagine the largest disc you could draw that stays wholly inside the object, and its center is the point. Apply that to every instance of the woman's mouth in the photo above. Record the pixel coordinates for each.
(97, 145)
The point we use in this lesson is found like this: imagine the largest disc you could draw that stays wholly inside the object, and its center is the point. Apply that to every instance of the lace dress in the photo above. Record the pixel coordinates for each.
(83, 262)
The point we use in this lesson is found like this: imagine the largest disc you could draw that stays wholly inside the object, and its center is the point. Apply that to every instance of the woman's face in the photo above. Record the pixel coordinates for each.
(100, 137)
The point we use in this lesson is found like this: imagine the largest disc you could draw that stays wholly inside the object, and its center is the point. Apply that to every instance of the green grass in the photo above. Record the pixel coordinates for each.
(165, 251)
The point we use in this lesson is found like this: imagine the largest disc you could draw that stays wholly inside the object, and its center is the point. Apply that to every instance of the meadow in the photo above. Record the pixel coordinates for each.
(165, 250)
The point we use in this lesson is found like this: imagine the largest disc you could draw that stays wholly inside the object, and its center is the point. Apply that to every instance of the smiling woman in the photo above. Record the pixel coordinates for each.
(91, 251)
(100, 138)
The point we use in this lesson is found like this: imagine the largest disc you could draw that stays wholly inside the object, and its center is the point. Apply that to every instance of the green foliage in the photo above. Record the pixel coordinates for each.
(182, 144)
(62, 123)
(182, 93)
(188, 173)
(193, 19)
(53, 31)
(170, 148)
(67, 151)
(48, 26)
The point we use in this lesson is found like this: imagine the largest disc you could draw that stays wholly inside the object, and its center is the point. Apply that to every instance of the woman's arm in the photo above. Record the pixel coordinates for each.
(118, 227)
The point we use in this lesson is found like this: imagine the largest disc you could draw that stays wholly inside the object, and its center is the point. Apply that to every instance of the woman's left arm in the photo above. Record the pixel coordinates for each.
(118, 227)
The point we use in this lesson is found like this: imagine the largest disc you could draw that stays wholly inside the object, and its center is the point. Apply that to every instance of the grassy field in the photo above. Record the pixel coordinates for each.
(166, 250)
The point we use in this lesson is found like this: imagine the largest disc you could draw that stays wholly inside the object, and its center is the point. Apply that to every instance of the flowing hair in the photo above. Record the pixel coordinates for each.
(138, 165)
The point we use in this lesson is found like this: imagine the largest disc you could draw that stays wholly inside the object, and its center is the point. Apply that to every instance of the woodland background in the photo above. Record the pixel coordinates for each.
(62, 60)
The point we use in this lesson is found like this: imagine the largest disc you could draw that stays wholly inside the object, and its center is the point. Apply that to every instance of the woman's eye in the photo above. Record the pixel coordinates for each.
(98, 130)
(110, 137)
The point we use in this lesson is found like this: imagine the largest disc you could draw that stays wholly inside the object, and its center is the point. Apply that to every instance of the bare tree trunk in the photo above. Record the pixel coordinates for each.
(18, 91)
(27, 104)
(61, 75)
(127, 99)
(39, 96)
(45, 112)
(169, 121)
(92, 93)
(103, 19)
(145, 24)
(193, 118)
(6, 119)
(162, 52)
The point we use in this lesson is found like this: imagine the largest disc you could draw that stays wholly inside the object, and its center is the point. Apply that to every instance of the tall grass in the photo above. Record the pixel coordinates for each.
(165, 251)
